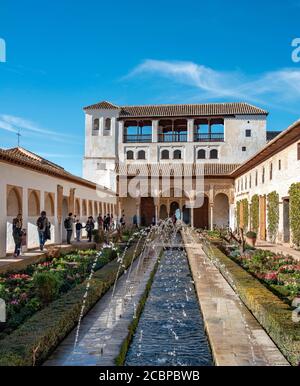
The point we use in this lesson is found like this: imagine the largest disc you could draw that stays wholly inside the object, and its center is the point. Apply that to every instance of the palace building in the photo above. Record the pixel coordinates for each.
(212, 139)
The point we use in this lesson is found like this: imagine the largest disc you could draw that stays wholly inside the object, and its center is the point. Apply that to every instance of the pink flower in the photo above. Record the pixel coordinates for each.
(272, 276)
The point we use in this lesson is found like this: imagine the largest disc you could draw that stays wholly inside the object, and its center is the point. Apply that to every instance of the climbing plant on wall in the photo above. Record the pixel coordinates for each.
(254, 213)
(273, 215)
(294, 193)
(245, 213)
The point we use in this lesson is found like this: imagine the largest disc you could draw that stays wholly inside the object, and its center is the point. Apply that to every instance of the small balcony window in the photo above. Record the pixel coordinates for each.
(172, 130)
(107, 127)
(209, 130)
(137, 131)
(96, 126)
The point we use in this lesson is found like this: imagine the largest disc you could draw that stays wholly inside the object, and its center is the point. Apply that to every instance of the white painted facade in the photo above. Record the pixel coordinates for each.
(26, 180)
(103, 151)
(276, 173)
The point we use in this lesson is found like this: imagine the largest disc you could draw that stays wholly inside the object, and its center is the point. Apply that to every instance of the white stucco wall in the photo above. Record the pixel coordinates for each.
(29, 179)
(280, 182)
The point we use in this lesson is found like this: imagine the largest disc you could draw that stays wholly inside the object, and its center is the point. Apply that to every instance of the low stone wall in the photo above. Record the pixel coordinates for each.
(272, 313)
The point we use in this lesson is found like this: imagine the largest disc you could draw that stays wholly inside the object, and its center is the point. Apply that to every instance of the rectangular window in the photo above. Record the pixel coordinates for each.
(263, 176)
(298, 152)
(256, 178)
(250, 181)
(279, 164)
(271, 171)
(244, 148)
(248, 132)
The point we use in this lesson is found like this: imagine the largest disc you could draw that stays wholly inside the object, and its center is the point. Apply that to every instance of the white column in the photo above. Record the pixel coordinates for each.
(155, 131)
(3, 220)
(121, 131)
(190, 126)
(211, 207)
(25, 213)
(192, 216)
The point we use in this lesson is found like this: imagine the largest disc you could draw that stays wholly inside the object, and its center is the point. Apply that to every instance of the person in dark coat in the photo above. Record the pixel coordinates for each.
(17, 234)
(90, 225)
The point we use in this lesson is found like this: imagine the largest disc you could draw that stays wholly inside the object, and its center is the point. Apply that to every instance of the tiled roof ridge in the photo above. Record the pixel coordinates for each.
(23, 157)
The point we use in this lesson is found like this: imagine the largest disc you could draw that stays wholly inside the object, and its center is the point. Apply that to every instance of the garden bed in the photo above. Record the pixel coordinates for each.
(273, 313)
(35, 339)
(33, 288)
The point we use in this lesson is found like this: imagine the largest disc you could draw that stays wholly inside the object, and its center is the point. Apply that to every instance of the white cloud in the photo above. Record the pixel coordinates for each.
(13, 124)
(270, 88)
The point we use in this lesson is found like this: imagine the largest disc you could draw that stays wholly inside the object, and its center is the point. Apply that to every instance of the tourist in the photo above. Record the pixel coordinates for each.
(100, 222)
(17, 234)
(153, 221)
(89, 226)
(78, 227)
(68, 224)
(112, 221)
(106, 223)
(135, 221)
(43, 226)
(122, 221)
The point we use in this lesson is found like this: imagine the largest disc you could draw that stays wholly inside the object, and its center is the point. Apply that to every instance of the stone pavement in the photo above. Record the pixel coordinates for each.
(236, 338)
(279, 248)
(11, 263)
(105, 327)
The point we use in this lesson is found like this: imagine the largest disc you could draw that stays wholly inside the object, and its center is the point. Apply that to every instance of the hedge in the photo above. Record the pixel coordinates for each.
(294, 193)
(120, 359)
(32, 343)
(271, 312)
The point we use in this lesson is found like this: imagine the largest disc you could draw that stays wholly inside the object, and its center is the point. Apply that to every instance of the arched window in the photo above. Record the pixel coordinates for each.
(49, 204)
(214, 154)
(129, 154)
(84, 208)
(141, 154)
(14, 202)
(107, 126)
(201, 154)
(96, 126)
(177, 154)
(33, 204)
(165, 154)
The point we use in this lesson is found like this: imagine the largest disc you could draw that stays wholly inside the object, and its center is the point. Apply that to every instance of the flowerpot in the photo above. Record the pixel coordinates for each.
(251, 241)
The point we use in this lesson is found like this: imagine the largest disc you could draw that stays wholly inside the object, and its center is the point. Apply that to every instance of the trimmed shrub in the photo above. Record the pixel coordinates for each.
(47, 285)
(273, 215)
(254, 213)
(294, 193)
(271, 312)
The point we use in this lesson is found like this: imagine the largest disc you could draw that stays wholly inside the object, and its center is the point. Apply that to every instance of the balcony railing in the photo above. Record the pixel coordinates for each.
(175, 137)
(137, 138)
(209, 137)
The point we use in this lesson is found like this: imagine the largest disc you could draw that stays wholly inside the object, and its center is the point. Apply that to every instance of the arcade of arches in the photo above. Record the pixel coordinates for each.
(30, 202)
(216, 209)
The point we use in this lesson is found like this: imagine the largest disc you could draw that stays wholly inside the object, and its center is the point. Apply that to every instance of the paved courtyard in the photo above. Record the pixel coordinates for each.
(236, 338)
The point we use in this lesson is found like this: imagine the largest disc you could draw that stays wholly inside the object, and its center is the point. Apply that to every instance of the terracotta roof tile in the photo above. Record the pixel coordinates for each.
(22, 157)
(207, 109)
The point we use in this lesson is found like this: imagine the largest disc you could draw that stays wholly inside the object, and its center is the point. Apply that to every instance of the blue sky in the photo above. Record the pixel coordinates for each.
(63, 55)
